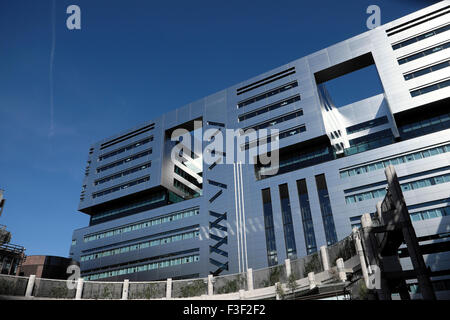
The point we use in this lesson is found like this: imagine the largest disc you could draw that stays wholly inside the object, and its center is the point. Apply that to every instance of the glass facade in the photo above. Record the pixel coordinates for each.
(395, 161)
(430, 88)
(268, 94)
(367, 125)
(305, 209)
(120, 187)
(269, 108)
(421, 37)
(269, 228)
(144, 224)
(125, 160)
(126, 148)
(424, 53)
(370, 141)
(427, 70)
(145, 267)
(425, 126)
(430, 214)
(142, 245)
(422, 183)
(288, 226)
(325, 208)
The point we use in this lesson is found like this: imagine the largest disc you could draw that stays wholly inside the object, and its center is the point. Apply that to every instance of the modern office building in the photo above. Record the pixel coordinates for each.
(154, 216)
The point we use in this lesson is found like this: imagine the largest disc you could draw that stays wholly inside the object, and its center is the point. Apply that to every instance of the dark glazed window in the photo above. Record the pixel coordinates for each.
(269, 228)
(308, 227)
(289, 237)
(325, 208)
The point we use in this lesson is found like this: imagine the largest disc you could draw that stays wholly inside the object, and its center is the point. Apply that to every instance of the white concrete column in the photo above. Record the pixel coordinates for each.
(325, 258)
(250, 279)
(277, 295)
(359, 250)
(366, 222)
(312, 280)
(126, 284)
(79, 289)
(340, 267)
(287, 263)
(30, 285)
(241, 294)
(169, 288)
(210, 285)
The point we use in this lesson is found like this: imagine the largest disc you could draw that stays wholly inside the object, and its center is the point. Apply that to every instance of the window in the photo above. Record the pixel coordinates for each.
(367, 125)
(430, 88)
(424, 53)
(325, 208)
(420, 37)
(308, 226)
(269, 108)
(286, 215)
(269, 228)
(267, 94)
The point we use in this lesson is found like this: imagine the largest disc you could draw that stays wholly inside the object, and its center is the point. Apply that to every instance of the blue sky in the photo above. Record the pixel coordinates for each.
(122, 68)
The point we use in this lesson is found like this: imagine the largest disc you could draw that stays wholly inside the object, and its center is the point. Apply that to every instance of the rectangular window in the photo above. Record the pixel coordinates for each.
(367, 125)
(308, 226)
(289, 236)
(269, 228)
(325, 208)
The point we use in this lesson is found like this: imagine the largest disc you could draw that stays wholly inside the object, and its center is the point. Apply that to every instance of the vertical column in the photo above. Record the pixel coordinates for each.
(287, 264)
(325, 258)
(312, 280)
(250, 279)
(210, 285)
(169, 288)
(360, 252)
(30, 285)
(79, 289)
(126, 284)
(340, 267)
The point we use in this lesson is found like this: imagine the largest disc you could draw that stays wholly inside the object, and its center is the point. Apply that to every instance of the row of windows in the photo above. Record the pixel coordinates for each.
(270, 107)
(421, 37)
(424, 53)
(405, 187)
(367, 125)
(187, 176)
(308, 226)
(141, 245)
(371, 141)
(121, 187)
(426, 126)
(431, 88)
(300, 160)
(125, 160)
(282, 135)
(154, 198)
(427, 70)
(181, 186)
(268, 94)
(278, 120)
(430, 214)
(126, 148)
(425, 182)
(127, 136)
(288, 227)
(145, 267)
(145, 224)
(124, 173)
(395, 161)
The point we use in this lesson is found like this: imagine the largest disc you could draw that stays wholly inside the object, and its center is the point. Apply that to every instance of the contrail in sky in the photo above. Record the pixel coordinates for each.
(52, 57)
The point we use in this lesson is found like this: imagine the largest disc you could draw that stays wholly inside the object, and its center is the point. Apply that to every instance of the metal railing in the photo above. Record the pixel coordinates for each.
(307, 271)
